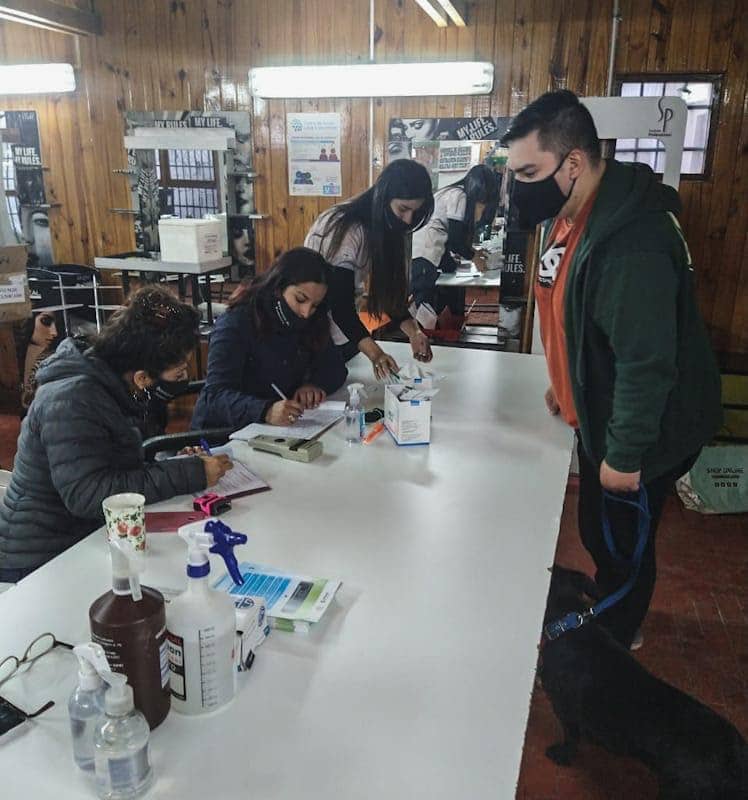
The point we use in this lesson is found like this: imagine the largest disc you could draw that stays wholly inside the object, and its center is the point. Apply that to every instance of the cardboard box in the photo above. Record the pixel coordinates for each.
(191, 241)
(408, 421)
(15, 303)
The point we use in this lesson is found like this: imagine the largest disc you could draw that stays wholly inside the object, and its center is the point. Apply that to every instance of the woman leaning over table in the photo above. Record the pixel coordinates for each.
(80, 441)
(367, 240)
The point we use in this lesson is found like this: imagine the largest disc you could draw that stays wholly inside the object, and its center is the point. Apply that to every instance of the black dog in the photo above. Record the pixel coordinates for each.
(600, 691)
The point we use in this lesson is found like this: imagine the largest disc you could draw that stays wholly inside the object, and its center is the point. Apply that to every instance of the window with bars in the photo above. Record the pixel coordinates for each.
(701, 95)
(190, 177)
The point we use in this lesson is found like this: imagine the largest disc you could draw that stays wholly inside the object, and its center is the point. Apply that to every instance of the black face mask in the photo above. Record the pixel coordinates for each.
(539, 200)
(288, 318)
(168, 390)
(394, 223)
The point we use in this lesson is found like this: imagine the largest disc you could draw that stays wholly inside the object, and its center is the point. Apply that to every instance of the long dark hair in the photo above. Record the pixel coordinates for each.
(481, 185)
(153, 332)
(298, 265)
(388, 284)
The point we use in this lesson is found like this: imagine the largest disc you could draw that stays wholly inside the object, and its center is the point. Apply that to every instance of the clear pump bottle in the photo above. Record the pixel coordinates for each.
(354, 414)
(121, 759)
(86, 703)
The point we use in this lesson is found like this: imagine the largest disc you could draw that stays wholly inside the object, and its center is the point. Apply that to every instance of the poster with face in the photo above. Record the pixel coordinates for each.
(36, 339)
(403, 132)
(23, 180)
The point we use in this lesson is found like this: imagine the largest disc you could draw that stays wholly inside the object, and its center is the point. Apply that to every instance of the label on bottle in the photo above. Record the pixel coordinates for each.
(163, 657)
(175, 646)
(121, 774)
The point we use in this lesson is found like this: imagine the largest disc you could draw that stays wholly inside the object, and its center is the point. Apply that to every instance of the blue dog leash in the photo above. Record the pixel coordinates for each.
(574, 619)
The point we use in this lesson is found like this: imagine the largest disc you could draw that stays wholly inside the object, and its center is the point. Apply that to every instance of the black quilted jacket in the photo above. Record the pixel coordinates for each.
(79, 443)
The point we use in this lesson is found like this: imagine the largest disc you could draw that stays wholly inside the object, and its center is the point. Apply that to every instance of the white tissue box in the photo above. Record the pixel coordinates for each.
(190, 241)
(408, 421)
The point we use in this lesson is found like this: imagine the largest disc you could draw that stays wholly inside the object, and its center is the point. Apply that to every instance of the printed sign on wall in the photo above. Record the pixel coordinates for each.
(313, 142)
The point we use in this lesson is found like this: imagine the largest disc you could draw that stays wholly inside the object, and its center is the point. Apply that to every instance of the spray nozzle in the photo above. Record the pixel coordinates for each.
(92, 665)
(212, 536)
(127, 564)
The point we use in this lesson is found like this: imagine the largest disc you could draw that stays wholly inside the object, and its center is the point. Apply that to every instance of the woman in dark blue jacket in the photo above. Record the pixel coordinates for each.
(276, 332)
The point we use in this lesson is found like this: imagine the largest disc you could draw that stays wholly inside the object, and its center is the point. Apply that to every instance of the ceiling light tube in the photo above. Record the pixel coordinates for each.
(373, 80)
(435, 14)
(457, 15)
(36, 78)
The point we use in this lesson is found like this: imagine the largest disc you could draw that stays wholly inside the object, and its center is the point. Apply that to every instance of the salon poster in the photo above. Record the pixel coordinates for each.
(29, 213)
(403, 132)
(313, 142)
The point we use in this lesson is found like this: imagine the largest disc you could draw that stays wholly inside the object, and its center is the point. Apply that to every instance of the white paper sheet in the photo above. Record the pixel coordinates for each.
(311, 424)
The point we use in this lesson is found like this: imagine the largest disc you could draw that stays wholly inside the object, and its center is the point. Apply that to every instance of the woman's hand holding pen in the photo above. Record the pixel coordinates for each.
(309, 396)
(284, 412)
(215, 468)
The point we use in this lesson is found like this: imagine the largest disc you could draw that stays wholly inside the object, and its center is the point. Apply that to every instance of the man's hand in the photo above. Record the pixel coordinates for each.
(551, 402)
(615, 481)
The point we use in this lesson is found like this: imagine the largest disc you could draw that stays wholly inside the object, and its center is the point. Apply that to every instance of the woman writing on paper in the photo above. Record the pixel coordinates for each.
(367, 240)
(80, 441)
(275, 333)
(458, 209)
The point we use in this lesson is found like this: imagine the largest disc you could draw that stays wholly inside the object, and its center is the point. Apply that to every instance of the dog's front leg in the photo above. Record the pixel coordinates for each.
(563, 752)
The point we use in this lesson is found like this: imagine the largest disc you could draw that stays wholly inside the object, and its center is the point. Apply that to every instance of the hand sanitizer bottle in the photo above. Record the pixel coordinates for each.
(121, 761)
(86, 703)
(354, 414)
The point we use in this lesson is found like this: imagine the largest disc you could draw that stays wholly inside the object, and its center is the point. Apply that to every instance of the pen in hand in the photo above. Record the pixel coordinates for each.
(206, 447)
(283, 397)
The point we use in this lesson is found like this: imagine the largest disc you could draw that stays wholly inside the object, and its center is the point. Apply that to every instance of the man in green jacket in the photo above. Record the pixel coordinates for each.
(628, 355)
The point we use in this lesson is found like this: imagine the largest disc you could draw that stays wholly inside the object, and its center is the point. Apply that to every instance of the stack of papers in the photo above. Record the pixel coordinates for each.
(313, 422)
(293, 602)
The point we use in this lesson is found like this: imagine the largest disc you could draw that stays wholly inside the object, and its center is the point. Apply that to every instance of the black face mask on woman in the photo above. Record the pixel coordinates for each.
(394, 223)
(168, 390)
(539, 200)
(287, 317)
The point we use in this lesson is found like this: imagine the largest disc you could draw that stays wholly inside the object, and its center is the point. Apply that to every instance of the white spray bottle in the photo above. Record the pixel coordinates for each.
(201, 623)
(86, 703)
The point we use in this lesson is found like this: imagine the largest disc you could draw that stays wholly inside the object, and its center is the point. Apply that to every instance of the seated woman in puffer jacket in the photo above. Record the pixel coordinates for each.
(80, 441)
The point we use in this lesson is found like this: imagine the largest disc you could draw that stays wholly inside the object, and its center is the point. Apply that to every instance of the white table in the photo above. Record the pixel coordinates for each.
(490, 279)
(127, 264)
(418, 682)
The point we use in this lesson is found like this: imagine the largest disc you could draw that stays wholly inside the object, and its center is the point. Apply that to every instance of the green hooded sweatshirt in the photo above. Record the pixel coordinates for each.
(645, 382)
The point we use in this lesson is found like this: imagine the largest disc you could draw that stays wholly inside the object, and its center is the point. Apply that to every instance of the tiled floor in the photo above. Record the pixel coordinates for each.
(696, 637)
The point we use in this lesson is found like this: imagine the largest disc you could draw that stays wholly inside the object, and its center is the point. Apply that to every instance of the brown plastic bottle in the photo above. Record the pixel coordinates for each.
(133, 635)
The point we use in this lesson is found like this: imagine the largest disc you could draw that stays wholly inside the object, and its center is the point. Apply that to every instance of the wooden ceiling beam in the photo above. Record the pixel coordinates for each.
(49, 15)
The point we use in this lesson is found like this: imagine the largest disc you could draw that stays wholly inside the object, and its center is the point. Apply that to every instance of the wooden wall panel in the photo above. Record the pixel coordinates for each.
(174, 54)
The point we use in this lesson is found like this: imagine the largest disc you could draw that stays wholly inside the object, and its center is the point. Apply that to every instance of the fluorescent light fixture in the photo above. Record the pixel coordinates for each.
(373, 80)
(435, 14)
(36, 78)
(456, 12)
